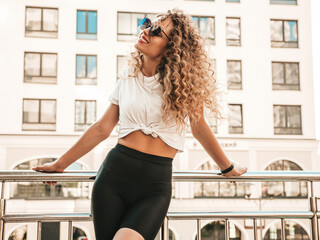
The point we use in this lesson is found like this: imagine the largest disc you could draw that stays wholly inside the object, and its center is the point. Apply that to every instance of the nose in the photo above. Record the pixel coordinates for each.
(146, 31)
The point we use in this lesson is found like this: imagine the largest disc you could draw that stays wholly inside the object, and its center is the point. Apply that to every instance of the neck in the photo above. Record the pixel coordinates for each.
(149, 66)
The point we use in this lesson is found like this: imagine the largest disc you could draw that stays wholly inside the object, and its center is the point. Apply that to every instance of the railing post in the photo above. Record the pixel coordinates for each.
(2, 211)
(198, 229)
(255, 231)
(226, 229)
(314, 209)
(165, 229)
(283, 229)
(70, 232)
(38, 230)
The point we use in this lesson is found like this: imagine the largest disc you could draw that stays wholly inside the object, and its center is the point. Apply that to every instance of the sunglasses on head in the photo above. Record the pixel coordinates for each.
(153, 31)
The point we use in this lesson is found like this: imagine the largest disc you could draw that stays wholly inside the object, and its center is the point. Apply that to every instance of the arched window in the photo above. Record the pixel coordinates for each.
(215, 230)
(293, 231)
(284, 189)
(19, 234)
(217, 189)
(39, 190)
(78, 234)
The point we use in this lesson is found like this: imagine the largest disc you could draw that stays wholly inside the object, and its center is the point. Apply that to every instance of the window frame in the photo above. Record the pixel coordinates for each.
(285, 76)
(240, 33)
(128, 12)
(286, 116)
(85, 114)
(39, 115)
(273, 43)
(54, 78)
(85, 80)
(86, 33)
(241, 78)
(41, 31)
(241, 111)
(211, 41)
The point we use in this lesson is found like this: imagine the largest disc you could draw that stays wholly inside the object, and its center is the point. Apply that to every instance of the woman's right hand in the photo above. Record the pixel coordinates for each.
(238, 170)
(49, 167)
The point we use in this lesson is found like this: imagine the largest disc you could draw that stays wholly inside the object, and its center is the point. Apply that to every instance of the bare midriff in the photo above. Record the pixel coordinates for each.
(147, 144)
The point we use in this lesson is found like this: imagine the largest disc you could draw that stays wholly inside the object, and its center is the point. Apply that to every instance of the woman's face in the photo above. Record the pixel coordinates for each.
(155, 46)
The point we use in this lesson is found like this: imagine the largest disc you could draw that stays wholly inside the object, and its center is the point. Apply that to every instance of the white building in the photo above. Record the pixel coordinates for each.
(59, 62)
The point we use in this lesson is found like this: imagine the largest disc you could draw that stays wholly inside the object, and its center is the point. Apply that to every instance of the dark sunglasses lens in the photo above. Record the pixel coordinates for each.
(155, 31)
(145, 23)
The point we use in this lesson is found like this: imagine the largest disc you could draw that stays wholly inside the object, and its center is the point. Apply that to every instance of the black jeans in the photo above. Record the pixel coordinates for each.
(132, 189)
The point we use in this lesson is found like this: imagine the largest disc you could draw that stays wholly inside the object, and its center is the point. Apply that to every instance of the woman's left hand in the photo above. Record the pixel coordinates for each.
(238, 170)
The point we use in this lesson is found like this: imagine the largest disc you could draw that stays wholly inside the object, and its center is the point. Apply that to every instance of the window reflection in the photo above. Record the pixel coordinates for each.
(293, 232)
(284, 33)
(217, 189)
(284, 189)
(28, 190)
(216, 230)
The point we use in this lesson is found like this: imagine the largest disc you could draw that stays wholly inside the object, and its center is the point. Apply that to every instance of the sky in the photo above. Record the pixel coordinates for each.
(315, 17)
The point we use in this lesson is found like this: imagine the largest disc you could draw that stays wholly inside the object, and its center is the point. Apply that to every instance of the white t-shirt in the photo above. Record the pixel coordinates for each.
(140, 109)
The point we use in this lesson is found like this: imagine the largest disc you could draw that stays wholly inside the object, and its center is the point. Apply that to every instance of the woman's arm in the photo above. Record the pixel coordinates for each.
(96, 133)
(202, 132)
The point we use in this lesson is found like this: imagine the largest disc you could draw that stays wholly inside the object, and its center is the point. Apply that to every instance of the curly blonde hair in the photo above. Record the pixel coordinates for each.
(185, 72)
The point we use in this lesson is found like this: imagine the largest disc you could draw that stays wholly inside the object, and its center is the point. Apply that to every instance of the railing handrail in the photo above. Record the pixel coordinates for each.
(185, 215)
(177, 175)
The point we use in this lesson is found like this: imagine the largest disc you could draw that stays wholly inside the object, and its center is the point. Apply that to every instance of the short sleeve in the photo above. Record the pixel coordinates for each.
(114, 97)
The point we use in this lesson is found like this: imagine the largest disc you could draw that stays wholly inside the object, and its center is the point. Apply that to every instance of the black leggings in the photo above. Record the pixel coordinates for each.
(132, 189)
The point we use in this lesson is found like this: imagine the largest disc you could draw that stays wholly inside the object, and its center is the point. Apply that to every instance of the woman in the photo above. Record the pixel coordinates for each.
(168, 81)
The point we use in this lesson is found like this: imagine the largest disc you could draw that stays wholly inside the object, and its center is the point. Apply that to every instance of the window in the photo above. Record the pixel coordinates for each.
(284, 189)
(234, 74)
(207, 27)
(216, 230)
(40, 67)
(287, 2)
(78, 234)
(285, 76)
(128, 25)
(41, 22)
(86, 24)
(86, 72)
(292, 231)
(233, 31)
(284, 33)
(287, 119)
(85, 114)
(39, 114)
(19, 233)
(50, 230)
(217, 189)
(122, 63)
(38, 190)
(212, 122)
(235, 118)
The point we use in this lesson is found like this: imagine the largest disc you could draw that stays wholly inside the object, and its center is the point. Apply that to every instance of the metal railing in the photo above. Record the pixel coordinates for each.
(178, 176)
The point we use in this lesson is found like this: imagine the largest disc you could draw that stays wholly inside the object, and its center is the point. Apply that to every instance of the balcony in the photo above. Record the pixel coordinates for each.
(311, 213)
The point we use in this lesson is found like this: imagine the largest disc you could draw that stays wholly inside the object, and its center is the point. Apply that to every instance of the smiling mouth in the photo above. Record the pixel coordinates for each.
(143, 39)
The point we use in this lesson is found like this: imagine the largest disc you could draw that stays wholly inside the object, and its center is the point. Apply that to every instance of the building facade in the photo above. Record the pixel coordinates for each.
(60, 61)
